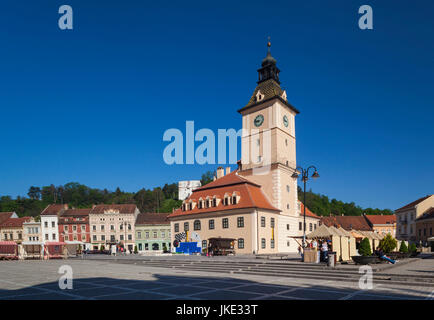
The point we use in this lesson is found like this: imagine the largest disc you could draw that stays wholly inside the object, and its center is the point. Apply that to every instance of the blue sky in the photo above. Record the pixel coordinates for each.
(91, 104)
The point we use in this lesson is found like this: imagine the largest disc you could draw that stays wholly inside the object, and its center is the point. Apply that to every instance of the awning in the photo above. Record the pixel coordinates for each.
(7, 243)
(322, 232)
(55, 243)
(27, 243)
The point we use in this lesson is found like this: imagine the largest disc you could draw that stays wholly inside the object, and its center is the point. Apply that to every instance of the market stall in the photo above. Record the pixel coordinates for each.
(8, 250)
(32, 250)
(55, 250)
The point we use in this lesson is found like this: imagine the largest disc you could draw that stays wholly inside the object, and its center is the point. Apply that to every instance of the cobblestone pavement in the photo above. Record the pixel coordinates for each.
(105, 279)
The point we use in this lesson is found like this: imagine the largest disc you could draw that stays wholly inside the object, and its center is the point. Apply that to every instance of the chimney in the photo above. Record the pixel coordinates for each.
(228, 170)
(214, 178)
(220, 172)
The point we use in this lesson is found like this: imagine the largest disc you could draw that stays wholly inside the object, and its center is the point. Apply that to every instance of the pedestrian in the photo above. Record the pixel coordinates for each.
(324, 251)
(381, 255)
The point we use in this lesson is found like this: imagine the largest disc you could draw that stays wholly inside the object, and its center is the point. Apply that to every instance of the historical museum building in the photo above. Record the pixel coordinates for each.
(256, 204)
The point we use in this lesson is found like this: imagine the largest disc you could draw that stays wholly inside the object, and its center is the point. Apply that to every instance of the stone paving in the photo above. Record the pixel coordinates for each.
(104, 279)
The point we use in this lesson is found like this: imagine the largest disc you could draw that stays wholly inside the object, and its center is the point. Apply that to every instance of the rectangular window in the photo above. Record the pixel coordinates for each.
(139, 235)
(155, 234)
(122, 237)
(112, 227)
(66, 228)
(225, 223)
(74, 228)
(310, 226)
(204, 244)
(83, 227)
(130, 237)
(300, 226)
(272, 222)
(53, 224)
(163, 234)
(186, 226)
(94, 228)
(102, 227)
(211, 224)
(263, 243)
(241, 243)
(176, 227)
(240, 222)
(54, 236)
(103, 237)
(147, 235)
(272, 244)
(46, 236)
(46, 224)
(287, 227)
(263, 222)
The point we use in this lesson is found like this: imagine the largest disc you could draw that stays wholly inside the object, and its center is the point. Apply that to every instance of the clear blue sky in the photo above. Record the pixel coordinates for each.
(91, 105)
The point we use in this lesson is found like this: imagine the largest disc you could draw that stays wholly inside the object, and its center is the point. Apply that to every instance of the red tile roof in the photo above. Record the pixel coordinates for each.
(15, 222)
(347, 222)
(76, 212)
(54, 209)
(5, 215)
(381, 219)
(308, 212)
(251, 195)
(152, 219)
(122, 208)
(412, 204)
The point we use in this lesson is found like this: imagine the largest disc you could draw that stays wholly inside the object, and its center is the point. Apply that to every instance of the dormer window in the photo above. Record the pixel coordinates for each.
(214, 202)
(234, 199)
(259, 96)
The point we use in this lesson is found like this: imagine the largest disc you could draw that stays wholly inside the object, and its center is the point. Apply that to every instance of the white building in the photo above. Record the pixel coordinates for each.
(185, 188)
(50, 222)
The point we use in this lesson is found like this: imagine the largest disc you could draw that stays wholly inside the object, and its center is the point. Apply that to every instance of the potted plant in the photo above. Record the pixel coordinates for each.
(365, 252)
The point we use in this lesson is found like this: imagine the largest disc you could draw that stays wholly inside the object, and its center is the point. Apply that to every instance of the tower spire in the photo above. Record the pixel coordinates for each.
(269, 69)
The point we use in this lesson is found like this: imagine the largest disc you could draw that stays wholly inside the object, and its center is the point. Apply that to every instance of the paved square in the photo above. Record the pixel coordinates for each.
(129, 280)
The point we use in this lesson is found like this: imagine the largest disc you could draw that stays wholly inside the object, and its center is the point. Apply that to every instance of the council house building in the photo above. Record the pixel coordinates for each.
(256, 204)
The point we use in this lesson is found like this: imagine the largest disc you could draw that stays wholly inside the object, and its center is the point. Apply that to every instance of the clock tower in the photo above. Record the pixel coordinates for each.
(268, 148)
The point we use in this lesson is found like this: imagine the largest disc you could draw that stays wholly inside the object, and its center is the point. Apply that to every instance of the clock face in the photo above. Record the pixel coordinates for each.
(259, 120)
(285, 121)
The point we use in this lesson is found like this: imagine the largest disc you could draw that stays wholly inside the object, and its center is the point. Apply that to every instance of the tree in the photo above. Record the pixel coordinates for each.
(388, 244)
(365, 248)
(34, 193)
(412, 248)
(135, 249)
(207, 177)
(403, 248)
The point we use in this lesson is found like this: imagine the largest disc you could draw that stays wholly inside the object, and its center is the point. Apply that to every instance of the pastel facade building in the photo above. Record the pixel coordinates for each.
(12, 229)
(74, 227)
(425, 228)
(113, 225)
(406, 217)
(152, 232)
(50, 222)
(382, 224)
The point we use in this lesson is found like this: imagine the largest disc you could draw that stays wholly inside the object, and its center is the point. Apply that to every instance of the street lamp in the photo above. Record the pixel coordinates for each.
(304, 178)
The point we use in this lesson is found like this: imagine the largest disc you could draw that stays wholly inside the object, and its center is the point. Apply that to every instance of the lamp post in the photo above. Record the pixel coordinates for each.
(304, 178)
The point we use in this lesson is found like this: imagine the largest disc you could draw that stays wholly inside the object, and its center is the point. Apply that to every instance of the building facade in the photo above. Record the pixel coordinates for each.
(382, 224)
(113, 225)
(406, 217)
(50, 222)
(267, 165)
(425, 227)
(152, 232)
(74, 227)
(12, 229)
(32, 232)
(229, 207)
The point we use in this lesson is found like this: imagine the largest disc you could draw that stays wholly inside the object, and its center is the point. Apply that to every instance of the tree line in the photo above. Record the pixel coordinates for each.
(80, 196)
(322, 206)
(158, 199)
